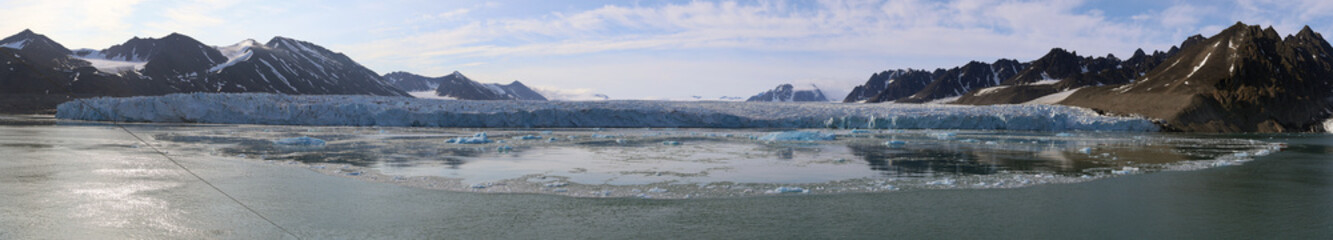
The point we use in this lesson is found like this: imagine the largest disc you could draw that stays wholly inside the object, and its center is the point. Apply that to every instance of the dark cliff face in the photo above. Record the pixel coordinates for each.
(1244, 79)
(788, 93)
(1060, 70)
(961, 80)
(37, 65)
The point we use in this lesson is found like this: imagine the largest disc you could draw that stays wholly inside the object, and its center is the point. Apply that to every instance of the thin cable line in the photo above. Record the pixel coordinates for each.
(116, 122)
(201, 179)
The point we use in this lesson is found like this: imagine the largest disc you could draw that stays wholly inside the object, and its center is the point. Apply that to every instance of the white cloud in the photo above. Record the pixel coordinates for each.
(61, 18)
(571, 94)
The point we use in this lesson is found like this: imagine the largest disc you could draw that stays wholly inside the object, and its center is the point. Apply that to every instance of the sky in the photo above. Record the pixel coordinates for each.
(667, 49)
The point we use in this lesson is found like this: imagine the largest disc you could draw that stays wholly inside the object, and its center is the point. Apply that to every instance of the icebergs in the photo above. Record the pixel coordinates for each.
(1328, 125)
(798, 136)
(787, 190)
(479, 138)
(259, 108)
(300, 141)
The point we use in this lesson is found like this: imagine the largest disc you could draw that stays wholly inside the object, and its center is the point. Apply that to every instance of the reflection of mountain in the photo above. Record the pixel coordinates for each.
(936, 159)
(918, 162)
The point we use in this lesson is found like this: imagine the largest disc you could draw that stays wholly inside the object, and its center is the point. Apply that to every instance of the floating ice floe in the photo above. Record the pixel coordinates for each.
(300, 141)
(787, 190)
(798, 136)
(277, 109)
(527, 137)
(479, 138)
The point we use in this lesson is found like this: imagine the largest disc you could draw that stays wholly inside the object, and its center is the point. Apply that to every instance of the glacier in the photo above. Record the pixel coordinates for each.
(347, 110)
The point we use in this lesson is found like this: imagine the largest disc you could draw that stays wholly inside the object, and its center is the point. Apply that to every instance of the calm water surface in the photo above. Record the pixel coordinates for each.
(81, 180)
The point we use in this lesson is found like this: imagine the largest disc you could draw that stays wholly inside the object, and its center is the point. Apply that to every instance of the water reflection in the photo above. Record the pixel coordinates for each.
(721, 155)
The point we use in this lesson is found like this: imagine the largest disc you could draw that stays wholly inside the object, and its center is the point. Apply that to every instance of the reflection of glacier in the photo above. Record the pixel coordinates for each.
(395, 111)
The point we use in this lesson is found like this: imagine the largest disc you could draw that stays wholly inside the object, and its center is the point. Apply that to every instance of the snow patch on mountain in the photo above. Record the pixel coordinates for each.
(15, 45)
(254, 108)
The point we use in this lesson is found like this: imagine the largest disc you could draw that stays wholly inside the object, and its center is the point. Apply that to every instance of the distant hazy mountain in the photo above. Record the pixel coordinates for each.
(789, 93)
(458, 86)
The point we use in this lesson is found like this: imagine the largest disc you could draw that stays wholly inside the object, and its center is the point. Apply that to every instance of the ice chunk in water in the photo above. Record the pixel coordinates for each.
(300, 141)
(479, 138)
(1085, 150)
(895, 143)
(943, 135)
(798, 136)
(671, 143)
(1125, 170)
(657, 190)
(787, 190)
(527, 137)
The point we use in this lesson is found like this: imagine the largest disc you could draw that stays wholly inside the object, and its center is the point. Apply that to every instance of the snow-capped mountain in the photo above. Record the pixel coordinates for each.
(291, 66)
(789, 93)
(36, 66)
(1245, 78)
(177, 63)
(891, 85)
(961, 80)
(1060, 70)
(457, 86)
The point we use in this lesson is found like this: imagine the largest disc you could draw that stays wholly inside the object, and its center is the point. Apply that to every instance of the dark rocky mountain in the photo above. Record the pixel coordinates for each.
(38, 66)
(1060, 70)
(411, 82)
(1059, 64)
(961, 80)
(457, 86)
(789, 93)
(291, 66)
(891, 85)
(1244, 79)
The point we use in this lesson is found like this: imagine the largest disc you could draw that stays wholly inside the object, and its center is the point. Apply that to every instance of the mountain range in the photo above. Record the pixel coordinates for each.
(1243, 79)
(457, 86)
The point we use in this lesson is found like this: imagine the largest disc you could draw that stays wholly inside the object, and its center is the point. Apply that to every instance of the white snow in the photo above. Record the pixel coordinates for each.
(989, 90)
(1328, 125)
(495, 87)
(16, 45)
(1053, 98)
(1201, 63)
(112, 66)
(103, 64)
(1045, 82)
(429, 95)
(941, 101)
(258, 108)
(236, 53)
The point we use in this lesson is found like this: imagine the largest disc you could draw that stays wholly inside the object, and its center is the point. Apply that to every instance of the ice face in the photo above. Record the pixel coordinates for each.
(400, 111)
(693, 163)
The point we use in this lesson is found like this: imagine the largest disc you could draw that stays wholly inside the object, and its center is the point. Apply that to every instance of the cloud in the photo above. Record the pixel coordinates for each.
(71, 18)
(571, 94)
(980, 29)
